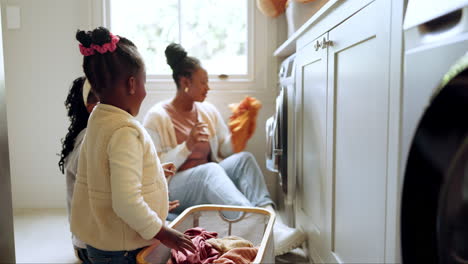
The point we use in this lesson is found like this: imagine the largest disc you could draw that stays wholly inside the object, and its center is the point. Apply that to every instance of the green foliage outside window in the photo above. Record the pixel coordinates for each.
(215, 31)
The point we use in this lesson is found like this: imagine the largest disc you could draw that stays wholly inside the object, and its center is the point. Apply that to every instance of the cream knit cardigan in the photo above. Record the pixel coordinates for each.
(159, 125)
(120, 198)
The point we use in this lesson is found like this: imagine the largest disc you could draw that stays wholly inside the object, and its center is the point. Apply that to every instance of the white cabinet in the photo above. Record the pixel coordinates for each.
(359, 83)
(313, 184)
(343, 112)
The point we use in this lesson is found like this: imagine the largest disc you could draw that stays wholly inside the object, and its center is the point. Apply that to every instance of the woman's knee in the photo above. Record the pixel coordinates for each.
(212, 166)
(247, 156)
(247, 159)
(211, 170)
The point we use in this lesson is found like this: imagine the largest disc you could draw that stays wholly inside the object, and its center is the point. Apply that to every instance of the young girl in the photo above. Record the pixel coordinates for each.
(120, 185)
(79, 103)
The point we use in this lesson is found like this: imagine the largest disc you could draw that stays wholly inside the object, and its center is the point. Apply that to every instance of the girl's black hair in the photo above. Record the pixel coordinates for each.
(105, 70)
(78, 116)
(181, 64)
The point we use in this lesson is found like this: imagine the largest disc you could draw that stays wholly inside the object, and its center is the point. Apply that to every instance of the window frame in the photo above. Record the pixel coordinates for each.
(215, 80)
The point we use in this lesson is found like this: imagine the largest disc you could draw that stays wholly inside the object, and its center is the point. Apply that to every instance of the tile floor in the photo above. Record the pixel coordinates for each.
(43, 236)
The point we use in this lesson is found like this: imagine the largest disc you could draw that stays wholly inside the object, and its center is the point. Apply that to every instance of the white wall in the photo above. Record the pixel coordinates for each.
(42, 59)
(7, 240)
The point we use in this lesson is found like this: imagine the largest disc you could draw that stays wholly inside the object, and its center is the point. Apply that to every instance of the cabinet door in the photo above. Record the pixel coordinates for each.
(359, 91)
(313, 196)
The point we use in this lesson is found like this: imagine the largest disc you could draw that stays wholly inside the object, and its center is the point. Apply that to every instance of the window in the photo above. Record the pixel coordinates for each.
(214, 31)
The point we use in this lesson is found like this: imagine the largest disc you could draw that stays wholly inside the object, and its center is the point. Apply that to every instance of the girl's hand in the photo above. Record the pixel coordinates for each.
(174, 239)
(197, 134)
(173, 205)
(169, 169)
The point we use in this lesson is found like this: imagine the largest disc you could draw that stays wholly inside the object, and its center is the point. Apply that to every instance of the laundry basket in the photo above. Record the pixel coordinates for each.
(253, 224)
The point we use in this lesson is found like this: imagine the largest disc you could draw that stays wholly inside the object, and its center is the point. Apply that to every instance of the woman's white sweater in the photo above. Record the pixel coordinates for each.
(159, 125)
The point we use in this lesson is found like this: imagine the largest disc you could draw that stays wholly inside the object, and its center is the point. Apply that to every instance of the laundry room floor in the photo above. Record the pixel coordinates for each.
(43, 236)
(296, 256)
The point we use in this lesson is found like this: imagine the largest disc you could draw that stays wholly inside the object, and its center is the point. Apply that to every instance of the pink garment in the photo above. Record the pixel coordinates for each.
(183, 123)
(205, 252)
(242, 255)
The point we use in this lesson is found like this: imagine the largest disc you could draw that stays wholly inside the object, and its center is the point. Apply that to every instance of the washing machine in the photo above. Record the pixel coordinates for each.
(434, 136)
(280, 155)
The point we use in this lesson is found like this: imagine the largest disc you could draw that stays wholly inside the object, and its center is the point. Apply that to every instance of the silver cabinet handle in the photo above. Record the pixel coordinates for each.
(317, 45)
(326, 43)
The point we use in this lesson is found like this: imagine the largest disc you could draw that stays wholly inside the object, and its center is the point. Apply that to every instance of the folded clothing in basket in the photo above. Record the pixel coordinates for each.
(242, 255)
(223, 245)
(210, 249)
(205, 251)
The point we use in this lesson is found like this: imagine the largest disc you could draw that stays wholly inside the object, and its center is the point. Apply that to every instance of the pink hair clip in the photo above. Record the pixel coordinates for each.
(110, 46)
(86, 51)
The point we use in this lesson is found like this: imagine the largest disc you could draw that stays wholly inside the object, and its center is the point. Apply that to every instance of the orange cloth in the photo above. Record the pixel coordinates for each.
(242, 255)
(243, 122)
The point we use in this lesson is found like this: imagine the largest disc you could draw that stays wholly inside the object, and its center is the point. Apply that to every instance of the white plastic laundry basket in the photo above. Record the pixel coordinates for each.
(253, 224)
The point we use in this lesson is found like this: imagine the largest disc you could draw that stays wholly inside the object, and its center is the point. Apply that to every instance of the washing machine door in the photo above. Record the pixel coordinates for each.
(434, 213)
(281, 138)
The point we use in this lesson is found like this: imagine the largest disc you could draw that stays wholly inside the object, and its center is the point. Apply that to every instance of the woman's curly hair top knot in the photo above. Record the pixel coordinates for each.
(175, 54)
(181, 64)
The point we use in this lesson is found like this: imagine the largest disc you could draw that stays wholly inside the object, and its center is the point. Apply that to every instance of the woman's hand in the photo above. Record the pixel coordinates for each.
(173, 205)
(174, 239)
(169, 169)
(198, 134)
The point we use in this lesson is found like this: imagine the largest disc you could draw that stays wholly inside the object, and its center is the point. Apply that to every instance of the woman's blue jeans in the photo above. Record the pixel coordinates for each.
(237, 180)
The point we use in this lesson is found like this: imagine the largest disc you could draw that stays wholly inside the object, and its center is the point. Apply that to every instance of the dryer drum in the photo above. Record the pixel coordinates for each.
(434, 209)
(452, 221)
